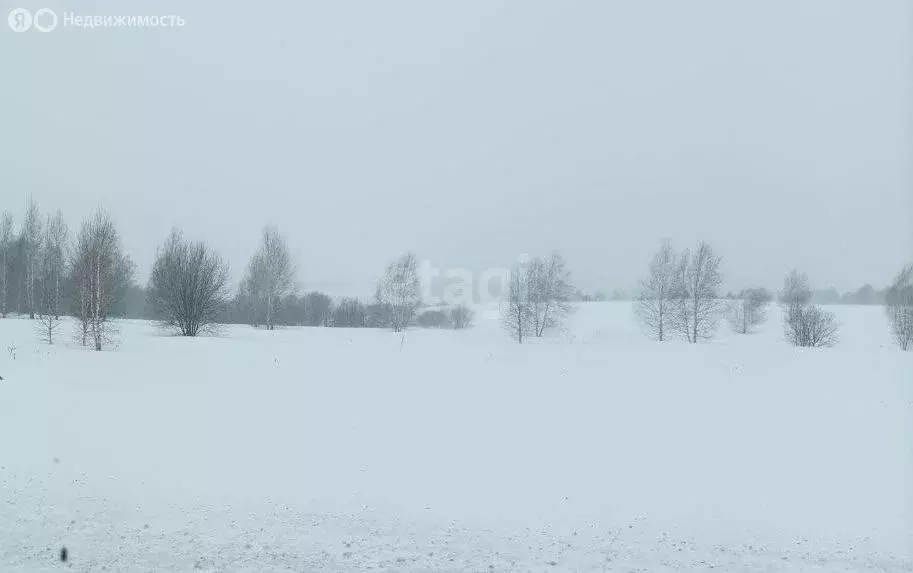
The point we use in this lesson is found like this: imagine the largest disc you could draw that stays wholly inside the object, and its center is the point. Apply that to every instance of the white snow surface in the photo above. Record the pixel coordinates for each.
(596, 449)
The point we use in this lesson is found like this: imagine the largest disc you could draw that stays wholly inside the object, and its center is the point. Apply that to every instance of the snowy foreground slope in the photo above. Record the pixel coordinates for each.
(348, 450)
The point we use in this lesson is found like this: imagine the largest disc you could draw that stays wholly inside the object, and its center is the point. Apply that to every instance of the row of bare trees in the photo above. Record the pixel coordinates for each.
(49, 275)
(680, 297)
(188, 290)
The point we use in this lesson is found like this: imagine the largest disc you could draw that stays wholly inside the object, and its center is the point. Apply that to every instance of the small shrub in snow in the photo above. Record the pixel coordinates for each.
(47, 327)
(805, 324)
(809, 325)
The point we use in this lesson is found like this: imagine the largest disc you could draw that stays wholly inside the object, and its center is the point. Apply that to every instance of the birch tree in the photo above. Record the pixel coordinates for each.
(697, 308)
(516, 313)
(657, 292)
(31, 241)
(54, 256)
(399, 291)
(102, 273)
(48, 319)
(51, 266)
(271, 273)
(550, 292)
(6, 246)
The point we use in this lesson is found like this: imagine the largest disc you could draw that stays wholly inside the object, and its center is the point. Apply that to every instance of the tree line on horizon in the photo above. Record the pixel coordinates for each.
(47, 272)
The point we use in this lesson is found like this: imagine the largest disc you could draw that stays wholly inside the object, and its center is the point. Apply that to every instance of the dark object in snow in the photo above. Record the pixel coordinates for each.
(63, 554)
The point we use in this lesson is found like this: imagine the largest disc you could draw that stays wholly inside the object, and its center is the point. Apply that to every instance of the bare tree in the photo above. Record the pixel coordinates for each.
(6, 245)
(398, 290)
(795, 296)
(805, 324)
(748, 310)
(102, 274)
(697, 306)
(517, 314)
(81, 279)
(54, 256)
(247, 300)
(796, 289)
(550, 292)
(188, 287)
(48, 319)
(461, 316)
(899, 307)
(657, 292)
(271, 272)
(31, 240)
(51, 265)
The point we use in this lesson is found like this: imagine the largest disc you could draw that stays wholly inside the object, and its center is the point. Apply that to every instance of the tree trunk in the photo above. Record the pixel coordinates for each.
(96, 320)
(30, 288)
(57, 292)
(3, 291)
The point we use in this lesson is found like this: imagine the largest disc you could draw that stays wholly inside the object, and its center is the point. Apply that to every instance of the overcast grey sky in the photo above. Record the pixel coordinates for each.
(472, 131)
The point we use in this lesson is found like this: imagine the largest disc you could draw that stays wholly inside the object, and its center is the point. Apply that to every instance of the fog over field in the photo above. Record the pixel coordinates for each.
(456, 286)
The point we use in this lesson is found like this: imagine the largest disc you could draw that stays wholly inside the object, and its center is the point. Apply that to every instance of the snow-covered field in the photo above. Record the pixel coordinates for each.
(340, 450)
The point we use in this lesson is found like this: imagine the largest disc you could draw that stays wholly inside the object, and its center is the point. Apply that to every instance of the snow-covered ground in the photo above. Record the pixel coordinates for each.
(341, 450)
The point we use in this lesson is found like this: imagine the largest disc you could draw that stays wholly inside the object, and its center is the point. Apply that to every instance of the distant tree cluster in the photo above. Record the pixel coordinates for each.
(454, 317)
(396, 304)
(864, 295)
